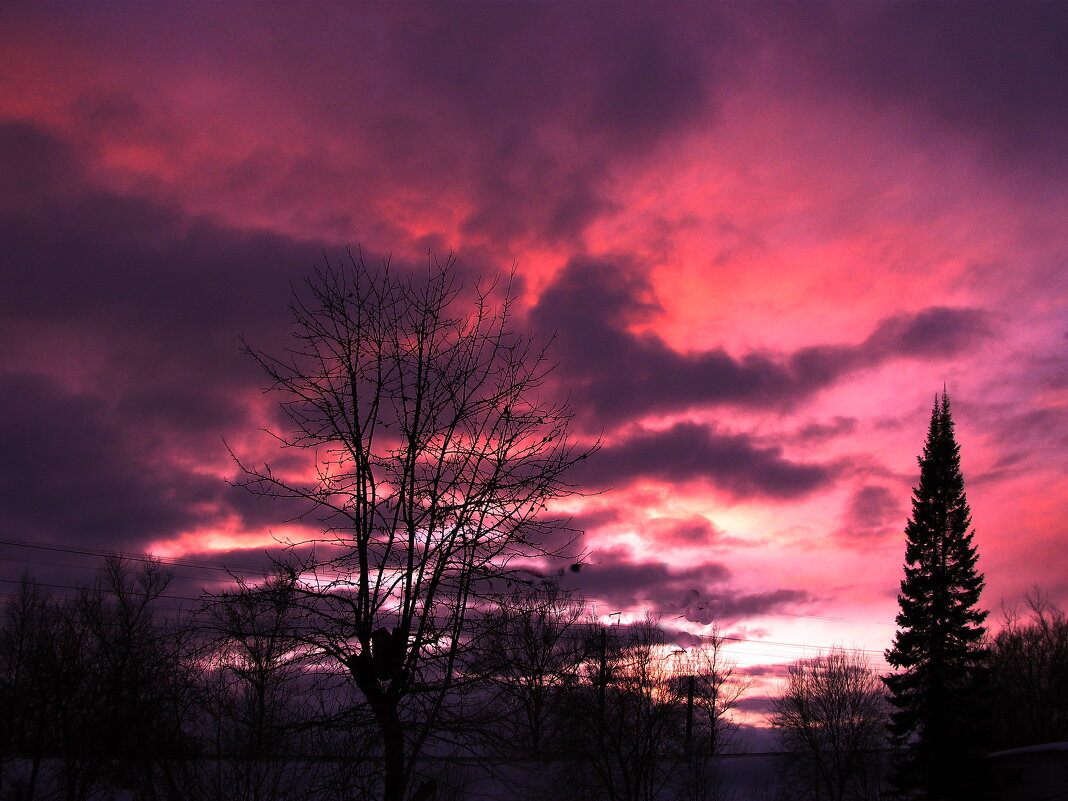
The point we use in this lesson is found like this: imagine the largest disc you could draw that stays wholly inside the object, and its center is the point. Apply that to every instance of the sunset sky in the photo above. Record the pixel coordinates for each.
(765, 235)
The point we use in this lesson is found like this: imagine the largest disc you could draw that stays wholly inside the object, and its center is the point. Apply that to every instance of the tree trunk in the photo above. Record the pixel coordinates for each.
(385, 708)
(393, 755)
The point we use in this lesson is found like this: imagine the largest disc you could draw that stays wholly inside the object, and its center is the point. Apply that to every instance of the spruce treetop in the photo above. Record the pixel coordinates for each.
(942, 585)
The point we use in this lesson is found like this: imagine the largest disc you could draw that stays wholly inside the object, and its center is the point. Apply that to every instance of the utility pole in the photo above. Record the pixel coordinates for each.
(689, 714)
(602, 683)
(714, 716)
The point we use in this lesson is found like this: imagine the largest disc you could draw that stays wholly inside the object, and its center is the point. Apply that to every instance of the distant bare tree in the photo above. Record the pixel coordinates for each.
(256, 699)
(128, 721)
(534, 647)
(831, 718)
(717, 689)
(435, 462)
(709, 687)
(629, 715)
(99, 684)
(1029, 677)
(27, 694)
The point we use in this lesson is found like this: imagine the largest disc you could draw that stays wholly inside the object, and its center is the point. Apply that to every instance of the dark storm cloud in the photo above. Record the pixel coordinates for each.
(33, 166)
(780, 669)
(78, 470)
(818, 431)
(759, 704)
(177, 287)
(611, 577)
(611, 82)
(258, 512)
(691, 452)
(591, 518)
(1026, 438)
(144, 271)
(614, 374)
(760, 603)
(154, 302)
(689, 531)
(72, 472)
(725, 605)
(931, 333)
(995, 70)
(545, 196)
(653, 82)
(626, 74)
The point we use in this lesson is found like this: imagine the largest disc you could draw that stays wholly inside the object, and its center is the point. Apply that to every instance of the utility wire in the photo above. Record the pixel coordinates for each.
(138, 557)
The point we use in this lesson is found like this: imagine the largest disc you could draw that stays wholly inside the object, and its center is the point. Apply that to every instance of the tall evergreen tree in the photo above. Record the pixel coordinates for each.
(937, 647)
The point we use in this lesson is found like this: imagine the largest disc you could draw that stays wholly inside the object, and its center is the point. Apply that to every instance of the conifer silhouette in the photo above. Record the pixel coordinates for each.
(937, 646)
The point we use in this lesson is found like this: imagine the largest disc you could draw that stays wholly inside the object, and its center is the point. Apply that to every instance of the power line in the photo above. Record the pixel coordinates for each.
(92, 567)
(138, 557)
(78, 589)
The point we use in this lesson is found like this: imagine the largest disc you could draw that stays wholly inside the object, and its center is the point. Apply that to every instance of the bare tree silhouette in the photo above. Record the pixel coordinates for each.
(628, 716)
(831, 718)
(261, 694)
(98, 684)
(28, 692)
(435, 461)
(533, 650)
(1029, 677)
(713, 688)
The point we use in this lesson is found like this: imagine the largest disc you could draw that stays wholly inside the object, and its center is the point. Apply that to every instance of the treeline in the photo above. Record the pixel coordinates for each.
(1028, 677)
(832, 714)
(111, 689)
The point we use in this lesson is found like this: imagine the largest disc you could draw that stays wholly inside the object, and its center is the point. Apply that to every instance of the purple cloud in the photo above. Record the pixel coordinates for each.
(691, 452)
(996, 72)
(613, 578)
(615, 375)
(74, 472)
(722, 606)
(872, 511)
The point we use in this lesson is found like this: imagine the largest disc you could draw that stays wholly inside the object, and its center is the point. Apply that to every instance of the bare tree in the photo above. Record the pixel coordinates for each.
(98, 684)
(259, 693)
(534, 647)
(27, 694)
(1029, 677)
(831, 718)
(710, 687)
(713, 689)
(628, 715)
(435, 461)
